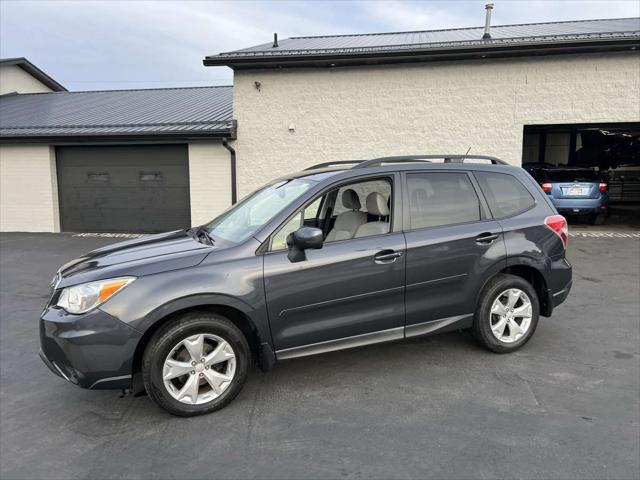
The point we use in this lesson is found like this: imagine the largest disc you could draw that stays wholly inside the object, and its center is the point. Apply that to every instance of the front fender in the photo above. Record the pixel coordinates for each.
(236, 283)
(206, 299)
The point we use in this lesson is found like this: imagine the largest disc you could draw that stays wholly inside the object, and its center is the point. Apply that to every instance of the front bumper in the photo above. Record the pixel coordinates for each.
(92, 350)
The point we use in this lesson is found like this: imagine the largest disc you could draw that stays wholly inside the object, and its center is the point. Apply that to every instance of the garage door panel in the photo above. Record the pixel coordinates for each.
(122, 197)
(103, 221)
(94, 174)
(124, 188)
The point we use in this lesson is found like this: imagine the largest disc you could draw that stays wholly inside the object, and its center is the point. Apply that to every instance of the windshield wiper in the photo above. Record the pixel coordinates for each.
(202, 235)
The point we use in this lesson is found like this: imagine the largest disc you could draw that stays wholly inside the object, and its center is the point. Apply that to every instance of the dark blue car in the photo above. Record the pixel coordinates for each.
(575, 191)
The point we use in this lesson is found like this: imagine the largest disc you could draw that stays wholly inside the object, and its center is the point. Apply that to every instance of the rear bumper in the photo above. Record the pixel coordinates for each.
(559, 297)
(580, 205)
(580, 210)
(93, 350)
(559, 282)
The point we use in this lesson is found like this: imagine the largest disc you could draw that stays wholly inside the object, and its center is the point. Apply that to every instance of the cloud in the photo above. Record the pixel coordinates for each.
(111, 44)
(89, 45)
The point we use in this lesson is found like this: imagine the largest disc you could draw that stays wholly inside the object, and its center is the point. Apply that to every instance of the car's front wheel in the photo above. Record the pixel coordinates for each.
(507, 314)
(195, 364)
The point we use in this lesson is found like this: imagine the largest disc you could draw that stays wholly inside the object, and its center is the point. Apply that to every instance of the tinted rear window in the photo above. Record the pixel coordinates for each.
(572, 176)
(441, 199)
(505, 194)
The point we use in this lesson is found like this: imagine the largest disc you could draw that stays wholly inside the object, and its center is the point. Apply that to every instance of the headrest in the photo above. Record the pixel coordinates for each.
(418, 196)
(377, 205)
(350, 199)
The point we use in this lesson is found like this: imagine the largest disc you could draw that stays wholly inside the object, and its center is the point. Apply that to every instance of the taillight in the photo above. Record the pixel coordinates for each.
(546, 187)
(559, 225)
(602, 187)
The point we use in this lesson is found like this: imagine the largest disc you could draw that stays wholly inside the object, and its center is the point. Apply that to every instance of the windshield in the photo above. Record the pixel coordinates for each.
(247, 217)
(572, 175)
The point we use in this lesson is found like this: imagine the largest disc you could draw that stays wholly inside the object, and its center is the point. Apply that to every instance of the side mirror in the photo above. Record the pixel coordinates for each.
(301, 240)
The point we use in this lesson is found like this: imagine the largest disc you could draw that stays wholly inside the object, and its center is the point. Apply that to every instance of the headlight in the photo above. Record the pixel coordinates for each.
(82, 298)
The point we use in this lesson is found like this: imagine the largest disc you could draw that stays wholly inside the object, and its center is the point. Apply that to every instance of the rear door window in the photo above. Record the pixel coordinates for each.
(504, 193)
(572, 176)
(441, 198)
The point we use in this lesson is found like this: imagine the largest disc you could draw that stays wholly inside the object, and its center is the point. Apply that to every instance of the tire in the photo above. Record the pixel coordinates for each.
(169, 343)
(598, 219)
(498, 288)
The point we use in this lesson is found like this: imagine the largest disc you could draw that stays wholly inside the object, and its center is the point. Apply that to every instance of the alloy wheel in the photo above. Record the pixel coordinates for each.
(199, 369)
(510, 316)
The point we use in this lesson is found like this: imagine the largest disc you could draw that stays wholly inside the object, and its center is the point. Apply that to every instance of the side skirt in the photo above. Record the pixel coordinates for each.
(443, 325)
(342, 343)
(399, 333)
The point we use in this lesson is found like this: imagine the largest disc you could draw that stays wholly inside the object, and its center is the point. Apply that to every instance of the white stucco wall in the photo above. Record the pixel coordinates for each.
(209, 180)
(28, 189)
(15, 79)
(364, 112)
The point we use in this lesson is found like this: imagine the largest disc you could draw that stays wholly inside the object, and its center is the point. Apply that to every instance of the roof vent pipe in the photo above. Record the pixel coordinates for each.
(487, 21)
(275, 41)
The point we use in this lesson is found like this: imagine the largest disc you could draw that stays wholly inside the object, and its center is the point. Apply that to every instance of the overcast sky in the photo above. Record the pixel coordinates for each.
(89, 45)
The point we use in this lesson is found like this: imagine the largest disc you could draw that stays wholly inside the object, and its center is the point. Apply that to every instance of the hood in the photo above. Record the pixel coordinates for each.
(137, 257)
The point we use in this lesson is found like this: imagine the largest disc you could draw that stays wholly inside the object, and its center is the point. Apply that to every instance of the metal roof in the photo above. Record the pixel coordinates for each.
(433, 41)
(34, 71)
(197, 111)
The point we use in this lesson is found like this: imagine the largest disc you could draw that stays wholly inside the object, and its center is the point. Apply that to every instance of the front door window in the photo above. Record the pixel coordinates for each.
(354, 210)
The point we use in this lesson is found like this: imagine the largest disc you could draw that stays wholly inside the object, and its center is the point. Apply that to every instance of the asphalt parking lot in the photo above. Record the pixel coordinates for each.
(565, 406)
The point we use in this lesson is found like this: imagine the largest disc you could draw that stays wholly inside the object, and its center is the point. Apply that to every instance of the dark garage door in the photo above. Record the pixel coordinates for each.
(123, 188)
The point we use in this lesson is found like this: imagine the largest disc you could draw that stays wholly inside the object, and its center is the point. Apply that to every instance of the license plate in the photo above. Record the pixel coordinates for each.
(574, 191)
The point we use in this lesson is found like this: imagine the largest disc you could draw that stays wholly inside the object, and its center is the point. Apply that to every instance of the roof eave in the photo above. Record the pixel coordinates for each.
(425, 54)
(160, 137)
(35, 72)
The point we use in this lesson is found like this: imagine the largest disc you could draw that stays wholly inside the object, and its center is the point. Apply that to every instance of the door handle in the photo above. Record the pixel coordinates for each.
(486, 238)
(387, 256)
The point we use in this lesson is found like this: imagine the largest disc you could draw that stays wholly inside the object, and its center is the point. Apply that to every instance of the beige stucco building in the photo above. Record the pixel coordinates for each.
(305, 116)
(307, 100)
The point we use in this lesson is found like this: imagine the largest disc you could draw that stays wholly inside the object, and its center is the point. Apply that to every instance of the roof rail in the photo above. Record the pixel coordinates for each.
(331, 164)
(448, 158)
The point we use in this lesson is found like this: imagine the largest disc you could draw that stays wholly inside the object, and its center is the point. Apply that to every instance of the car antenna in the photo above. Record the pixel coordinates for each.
(465, 155)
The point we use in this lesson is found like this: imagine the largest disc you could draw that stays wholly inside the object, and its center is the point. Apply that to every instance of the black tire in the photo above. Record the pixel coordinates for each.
(482, 320)
(598, 219)
(163, 341)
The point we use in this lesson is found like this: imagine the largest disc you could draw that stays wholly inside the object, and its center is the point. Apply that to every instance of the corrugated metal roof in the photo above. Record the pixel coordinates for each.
(555, 32)
(118, 112)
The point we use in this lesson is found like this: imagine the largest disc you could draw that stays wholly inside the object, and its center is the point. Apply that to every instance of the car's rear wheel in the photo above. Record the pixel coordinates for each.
(195, 364)
(507, 314)
(598, 218)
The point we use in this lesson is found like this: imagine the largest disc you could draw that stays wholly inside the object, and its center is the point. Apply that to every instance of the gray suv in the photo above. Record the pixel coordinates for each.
(337, 256)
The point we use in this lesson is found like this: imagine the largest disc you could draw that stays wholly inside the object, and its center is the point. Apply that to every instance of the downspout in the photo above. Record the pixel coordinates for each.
(232, 154)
